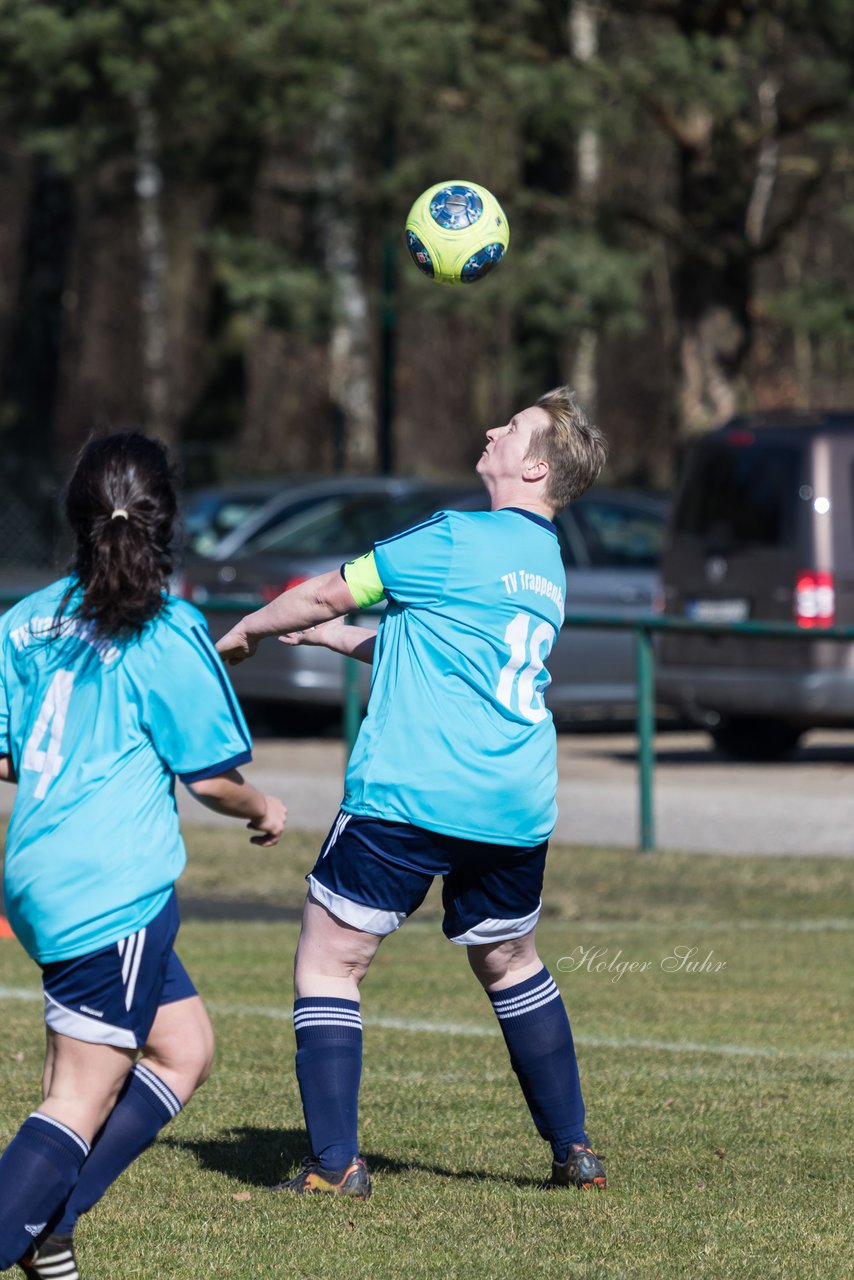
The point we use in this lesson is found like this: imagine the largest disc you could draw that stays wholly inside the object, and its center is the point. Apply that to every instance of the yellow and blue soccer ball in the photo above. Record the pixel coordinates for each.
(457, 232)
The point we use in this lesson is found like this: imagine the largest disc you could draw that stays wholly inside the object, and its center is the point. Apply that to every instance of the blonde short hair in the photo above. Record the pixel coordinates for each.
(573, 446)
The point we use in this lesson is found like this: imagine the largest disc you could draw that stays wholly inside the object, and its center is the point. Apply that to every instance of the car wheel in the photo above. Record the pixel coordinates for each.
(755, 738)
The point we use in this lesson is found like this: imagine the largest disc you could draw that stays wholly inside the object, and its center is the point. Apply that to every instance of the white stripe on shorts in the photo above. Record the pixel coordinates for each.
(368, 919)
(498, 930)
(339, 825)
(80, 1027)
(130, 988)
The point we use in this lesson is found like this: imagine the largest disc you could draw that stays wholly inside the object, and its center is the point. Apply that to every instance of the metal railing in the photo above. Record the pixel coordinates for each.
(643, 628)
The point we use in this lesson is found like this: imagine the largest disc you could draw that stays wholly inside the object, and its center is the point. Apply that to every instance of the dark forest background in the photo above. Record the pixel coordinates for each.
(202, 203)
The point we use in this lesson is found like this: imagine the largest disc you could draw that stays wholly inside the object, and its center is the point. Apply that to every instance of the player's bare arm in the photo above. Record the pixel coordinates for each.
(339, 637)
(318, 600)
(7, 773)
(230, 794)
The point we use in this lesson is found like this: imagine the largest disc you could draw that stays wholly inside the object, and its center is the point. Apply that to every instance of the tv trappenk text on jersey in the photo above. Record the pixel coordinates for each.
(522, 580)
(681, 959)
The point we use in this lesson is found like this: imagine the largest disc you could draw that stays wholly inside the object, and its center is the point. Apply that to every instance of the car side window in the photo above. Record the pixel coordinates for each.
(571, 541)
(619, 535)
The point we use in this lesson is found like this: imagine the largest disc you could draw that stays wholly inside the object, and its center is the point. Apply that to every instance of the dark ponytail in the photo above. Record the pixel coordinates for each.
(121, 506)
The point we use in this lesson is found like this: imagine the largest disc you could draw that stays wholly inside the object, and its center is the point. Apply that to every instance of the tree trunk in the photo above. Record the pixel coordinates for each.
(351, 381)
(152, 245)
(713, 284)
(584, 42)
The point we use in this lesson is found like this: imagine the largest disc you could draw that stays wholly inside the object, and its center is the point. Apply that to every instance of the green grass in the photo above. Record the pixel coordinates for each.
(720, 1099)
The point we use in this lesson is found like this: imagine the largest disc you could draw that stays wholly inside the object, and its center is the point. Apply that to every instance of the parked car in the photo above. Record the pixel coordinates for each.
(610, 543)
(210, 514)
(763, 529)
(292, 499)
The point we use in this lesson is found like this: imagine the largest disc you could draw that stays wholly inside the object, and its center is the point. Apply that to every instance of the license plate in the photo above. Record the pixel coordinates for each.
(718, 610)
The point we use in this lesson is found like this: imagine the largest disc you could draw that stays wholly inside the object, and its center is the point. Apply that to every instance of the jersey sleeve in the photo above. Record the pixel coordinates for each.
(191, 711)
(413, 566)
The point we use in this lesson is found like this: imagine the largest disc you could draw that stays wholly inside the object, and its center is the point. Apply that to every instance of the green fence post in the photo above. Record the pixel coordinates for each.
(646, 731)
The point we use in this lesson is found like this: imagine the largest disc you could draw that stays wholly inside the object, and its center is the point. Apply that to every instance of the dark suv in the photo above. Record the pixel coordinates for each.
(762, 528)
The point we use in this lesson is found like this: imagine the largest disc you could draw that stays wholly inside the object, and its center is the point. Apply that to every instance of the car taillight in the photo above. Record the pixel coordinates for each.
(189, 590)
(815, 599)
(275, 589)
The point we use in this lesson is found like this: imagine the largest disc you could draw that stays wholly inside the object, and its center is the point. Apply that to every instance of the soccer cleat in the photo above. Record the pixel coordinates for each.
(581, 1168)
(53, 1259)
(352, 1180)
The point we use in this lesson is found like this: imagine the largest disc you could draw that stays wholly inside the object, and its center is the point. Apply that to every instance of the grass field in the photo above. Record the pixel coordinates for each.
(720, 1096)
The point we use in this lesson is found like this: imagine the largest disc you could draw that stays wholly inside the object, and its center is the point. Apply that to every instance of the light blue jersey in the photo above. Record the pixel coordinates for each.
(97, 732)
(457, 738)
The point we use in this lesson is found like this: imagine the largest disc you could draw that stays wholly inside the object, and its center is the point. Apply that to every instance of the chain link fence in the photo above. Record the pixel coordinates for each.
(33, 541)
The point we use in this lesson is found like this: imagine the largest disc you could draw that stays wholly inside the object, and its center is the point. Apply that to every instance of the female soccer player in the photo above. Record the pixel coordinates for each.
(109, 689)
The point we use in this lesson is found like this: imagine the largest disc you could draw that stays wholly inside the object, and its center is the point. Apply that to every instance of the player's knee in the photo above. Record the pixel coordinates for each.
(350, 964)
(184, 1059)
(494, 963)
(202, 1057)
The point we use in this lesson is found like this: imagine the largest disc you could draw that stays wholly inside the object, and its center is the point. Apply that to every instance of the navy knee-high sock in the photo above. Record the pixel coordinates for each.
(537, 1033)
(37, 1171)
(329, 1069)
(144, 1106)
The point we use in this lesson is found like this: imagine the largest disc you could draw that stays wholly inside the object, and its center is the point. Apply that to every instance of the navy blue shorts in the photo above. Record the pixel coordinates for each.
(372, 874)
(112, 996)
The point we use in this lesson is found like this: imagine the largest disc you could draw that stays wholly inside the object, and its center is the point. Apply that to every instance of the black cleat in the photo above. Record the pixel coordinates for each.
(53, 1259)
(352, 1180)
(581, 1168)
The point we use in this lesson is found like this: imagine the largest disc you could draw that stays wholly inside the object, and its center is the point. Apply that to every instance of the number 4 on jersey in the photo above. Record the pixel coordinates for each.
(526, 660)
(47, 762)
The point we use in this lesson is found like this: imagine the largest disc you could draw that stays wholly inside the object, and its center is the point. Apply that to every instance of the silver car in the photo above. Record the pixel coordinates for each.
(610, 543)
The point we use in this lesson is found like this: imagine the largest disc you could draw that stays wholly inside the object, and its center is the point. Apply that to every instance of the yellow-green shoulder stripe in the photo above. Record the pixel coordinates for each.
(363, 580)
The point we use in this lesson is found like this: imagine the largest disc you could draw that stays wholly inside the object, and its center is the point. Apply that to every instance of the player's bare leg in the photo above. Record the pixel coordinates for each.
(180, 1046)
(497, 965)
(42, 1164)
(536, 1030)
(332, 958)
(85, 1081)
(176, 1059)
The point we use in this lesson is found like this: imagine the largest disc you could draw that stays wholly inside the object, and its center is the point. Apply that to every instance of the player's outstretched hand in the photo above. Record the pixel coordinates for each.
(235, 646)
(271, 825)
(321, 634)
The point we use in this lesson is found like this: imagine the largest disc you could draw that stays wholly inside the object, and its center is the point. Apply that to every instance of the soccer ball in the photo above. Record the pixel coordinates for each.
(457, 232)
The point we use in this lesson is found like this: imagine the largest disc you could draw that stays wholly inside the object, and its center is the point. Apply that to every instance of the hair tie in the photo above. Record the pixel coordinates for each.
(119, 513)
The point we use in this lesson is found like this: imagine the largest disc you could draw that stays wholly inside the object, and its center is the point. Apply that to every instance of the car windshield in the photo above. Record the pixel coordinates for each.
(742, 494)
(616, 535)
(344, 525)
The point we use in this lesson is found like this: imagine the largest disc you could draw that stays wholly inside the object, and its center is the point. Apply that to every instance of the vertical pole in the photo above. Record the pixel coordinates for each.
(646, 730)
